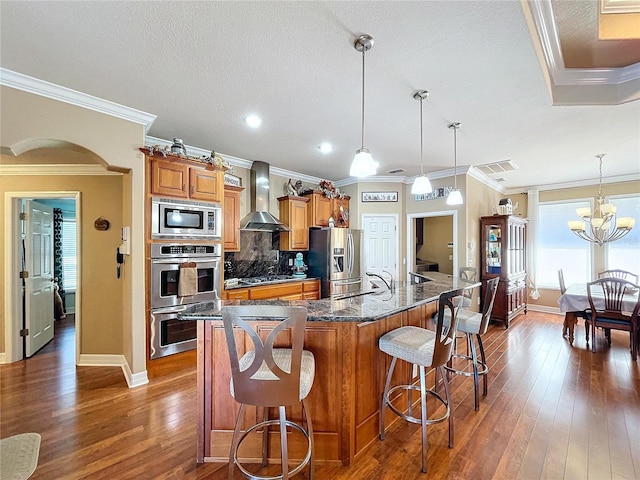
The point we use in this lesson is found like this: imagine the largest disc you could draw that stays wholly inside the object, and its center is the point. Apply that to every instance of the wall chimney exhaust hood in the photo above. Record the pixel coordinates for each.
(259, 218)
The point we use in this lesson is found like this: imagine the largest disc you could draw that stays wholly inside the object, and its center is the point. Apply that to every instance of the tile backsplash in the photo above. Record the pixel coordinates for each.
(259, 255)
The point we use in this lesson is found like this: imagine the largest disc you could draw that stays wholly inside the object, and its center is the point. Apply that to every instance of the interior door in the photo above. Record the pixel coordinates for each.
(381, 244)
(39, 316)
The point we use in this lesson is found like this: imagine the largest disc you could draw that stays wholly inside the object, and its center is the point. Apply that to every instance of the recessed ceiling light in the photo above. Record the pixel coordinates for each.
(253, 120)
(325, 148)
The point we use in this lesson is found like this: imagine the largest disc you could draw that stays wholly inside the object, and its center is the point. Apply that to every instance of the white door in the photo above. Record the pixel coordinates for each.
(38, 250)
(380, 247)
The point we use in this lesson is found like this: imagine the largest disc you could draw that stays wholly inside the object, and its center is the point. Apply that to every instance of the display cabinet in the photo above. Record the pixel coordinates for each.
(503, 240)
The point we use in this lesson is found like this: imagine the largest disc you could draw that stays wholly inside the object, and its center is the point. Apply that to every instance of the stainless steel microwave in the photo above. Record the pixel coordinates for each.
(180, 219)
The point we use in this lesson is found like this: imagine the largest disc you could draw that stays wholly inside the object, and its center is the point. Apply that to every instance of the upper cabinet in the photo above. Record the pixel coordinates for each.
(231, 223)
(180, 179)
(294, 213)
(340, 209)
(320, 209)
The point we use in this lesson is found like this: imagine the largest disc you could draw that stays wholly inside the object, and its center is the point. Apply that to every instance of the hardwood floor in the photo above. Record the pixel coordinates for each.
(553, 411)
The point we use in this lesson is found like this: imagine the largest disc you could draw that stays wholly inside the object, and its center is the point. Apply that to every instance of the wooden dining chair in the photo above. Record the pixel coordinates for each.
(612, 313)
(617, 273)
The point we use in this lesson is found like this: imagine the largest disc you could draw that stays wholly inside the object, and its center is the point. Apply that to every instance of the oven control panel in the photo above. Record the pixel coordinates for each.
(165, 250)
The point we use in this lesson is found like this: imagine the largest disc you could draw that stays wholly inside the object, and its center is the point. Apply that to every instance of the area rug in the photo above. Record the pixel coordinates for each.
(19, 456)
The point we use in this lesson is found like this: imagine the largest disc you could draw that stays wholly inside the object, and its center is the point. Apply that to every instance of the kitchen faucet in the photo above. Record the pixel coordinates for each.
(388, 283)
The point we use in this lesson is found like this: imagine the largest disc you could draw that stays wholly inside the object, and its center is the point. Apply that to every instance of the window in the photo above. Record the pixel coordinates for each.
(625, 252)
(559, 247)
(69, 264)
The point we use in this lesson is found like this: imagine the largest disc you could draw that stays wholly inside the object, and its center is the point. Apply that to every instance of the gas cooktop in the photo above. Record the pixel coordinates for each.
(266, 279)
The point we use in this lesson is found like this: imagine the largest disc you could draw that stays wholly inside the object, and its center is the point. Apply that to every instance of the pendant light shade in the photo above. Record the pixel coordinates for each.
(455, 197)
(363, 164)
(421, 185)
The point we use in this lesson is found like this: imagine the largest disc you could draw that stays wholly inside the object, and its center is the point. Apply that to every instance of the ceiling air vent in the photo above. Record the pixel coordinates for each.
(396, 170)
(497, 167)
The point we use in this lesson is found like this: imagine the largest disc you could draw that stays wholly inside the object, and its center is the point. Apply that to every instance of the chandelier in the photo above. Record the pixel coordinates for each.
(603, 225)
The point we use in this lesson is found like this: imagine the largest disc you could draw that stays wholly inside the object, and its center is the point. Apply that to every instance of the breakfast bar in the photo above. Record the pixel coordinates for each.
(346, 395)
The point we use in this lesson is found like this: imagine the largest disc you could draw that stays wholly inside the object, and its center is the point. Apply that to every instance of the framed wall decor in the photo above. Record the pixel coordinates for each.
(379, 196)
(440, 192)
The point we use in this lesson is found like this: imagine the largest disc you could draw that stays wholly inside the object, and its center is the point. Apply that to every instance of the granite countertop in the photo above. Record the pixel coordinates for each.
(371, 305)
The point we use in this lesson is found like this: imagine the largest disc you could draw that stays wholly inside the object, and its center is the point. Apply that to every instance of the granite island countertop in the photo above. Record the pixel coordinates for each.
(370, 305)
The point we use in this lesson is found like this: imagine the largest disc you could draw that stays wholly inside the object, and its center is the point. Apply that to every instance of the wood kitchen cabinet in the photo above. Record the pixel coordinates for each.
(231, 220)
(294, 290)
(180, 178)
(293, 213)
(340, 209)
(503, 240)
(320, 209)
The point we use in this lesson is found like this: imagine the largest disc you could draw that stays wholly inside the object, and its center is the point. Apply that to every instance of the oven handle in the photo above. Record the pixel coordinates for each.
(180, 260)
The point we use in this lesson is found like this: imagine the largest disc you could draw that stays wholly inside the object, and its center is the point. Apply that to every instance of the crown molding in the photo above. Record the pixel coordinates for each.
(25, 83)
(56, 169)
(547, 35)
(634, 177)
(482, 178)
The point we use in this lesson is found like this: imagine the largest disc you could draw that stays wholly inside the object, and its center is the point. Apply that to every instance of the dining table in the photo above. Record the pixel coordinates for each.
(575, 300)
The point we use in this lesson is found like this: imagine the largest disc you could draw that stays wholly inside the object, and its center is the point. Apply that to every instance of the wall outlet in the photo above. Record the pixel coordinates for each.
(291, 262)
(450, 257)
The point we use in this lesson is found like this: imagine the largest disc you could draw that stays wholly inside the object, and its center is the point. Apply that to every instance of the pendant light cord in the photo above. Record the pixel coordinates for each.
(362, 142)
(421, 130)
(455, 157)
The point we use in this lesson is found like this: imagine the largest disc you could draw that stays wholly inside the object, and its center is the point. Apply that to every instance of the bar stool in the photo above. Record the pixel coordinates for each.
(424, 348)
(270, 377)
(470, 324)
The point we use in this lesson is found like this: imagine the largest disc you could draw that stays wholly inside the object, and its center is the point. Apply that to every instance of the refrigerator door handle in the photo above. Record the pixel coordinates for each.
(347, 282)
(350, 248)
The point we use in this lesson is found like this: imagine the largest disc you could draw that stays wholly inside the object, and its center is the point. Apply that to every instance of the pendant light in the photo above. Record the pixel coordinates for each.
(455, 197)
(363, 164)
(421, 185)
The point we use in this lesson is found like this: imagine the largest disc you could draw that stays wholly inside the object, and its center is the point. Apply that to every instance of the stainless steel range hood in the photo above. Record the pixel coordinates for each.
(259, 218)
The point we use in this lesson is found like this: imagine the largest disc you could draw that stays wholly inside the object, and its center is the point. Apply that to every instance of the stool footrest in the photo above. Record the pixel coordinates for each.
(409, 418)
(265, 424)
(482, 367)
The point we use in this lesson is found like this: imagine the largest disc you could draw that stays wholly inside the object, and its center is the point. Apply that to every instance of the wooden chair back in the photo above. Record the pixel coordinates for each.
(612, 315)
(617, 273)
(281, 387)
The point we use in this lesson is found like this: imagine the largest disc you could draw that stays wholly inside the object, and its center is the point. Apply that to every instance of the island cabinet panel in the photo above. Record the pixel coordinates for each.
(325, 401)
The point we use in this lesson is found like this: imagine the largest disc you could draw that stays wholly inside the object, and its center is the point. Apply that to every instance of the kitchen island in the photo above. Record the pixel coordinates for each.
(346, 395)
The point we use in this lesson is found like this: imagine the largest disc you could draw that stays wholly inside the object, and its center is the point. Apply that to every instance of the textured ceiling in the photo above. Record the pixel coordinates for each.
(201, 67)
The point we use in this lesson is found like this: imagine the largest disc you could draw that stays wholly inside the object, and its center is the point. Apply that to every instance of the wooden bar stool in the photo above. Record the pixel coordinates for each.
(270, 377)
(424, 348)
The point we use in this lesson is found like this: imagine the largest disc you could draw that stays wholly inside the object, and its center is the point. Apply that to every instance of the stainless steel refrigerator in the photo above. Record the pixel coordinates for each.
(334, 257)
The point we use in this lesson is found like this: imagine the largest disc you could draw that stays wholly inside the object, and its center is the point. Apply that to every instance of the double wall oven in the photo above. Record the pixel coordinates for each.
(168, 335)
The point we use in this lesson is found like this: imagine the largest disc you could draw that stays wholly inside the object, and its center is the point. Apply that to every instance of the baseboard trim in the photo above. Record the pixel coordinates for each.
(132, 379)
(544, 309)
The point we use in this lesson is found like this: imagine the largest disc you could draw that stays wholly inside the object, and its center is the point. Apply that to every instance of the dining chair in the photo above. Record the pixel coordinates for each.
(469, 274)
(474, 324)
(425, 349)
(617, 273)
(612, 316)
(269, 377)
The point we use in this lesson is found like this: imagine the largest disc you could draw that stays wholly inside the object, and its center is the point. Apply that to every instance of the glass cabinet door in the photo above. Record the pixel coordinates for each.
(493, 249)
